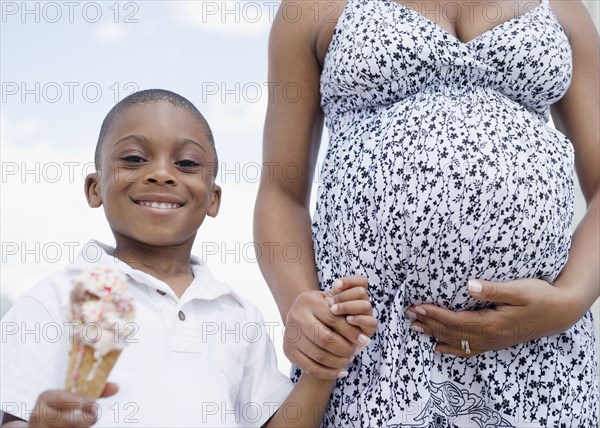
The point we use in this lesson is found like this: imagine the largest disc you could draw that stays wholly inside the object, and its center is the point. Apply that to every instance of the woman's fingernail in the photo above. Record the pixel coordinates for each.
(363, 340)
(417, 329)
(474, 286)
(337, 284)
(342, 374)
(420, 310)
(329, 300)
(411, 315)
(349, 318)
(335, 308)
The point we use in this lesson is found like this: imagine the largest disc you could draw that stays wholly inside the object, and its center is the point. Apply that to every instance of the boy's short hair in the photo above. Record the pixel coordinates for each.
(150, 96)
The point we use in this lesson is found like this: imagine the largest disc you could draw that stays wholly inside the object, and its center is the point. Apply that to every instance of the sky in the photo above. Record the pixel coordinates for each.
(63, 65)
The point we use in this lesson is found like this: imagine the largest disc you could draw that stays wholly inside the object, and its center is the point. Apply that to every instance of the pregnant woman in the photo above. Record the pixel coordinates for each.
(446, 187)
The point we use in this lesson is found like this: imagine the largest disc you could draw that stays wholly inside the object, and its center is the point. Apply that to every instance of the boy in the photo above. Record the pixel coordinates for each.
(199, 355)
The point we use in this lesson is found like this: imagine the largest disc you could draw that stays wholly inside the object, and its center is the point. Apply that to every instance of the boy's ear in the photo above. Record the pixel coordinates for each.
(215, 202)
(92, 190)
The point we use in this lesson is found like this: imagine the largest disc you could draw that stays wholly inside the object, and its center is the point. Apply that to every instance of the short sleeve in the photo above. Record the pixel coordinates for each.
(33, 355)
(263, 388)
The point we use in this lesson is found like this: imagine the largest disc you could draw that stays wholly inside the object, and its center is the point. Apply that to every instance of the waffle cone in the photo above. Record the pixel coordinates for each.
(80, 384)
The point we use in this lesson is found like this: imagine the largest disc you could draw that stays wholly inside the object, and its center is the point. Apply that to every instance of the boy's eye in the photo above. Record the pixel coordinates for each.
(132, 159)
(187, 163)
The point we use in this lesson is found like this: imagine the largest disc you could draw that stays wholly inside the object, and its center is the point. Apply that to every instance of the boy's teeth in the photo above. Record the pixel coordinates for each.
(160, 205)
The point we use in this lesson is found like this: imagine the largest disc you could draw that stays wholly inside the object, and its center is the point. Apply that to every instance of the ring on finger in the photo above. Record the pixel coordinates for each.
(464, 344)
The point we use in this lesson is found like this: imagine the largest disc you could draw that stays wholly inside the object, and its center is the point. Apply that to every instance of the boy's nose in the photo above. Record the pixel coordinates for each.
(160, 175)
(154, 180)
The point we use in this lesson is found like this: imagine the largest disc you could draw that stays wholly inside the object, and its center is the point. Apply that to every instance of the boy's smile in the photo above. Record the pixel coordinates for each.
(157, 176)
(158, 203)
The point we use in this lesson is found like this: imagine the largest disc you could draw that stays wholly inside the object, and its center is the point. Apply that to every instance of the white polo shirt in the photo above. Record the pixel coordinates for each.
(205, 359)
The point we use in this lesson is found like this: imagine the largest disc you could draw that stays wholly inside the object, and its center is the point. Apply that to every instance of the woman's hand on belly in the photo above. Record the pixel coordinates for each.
(526, 309)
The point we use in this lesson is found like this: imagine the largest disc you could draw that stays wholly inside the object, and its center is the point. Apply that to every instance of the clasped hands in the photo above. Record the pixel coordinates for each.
(324, 331)
(341, 321)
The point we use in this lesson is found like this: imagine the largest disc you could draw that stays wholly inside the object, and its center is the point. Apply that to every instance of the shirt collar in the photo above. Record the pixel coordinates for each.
(204, 286)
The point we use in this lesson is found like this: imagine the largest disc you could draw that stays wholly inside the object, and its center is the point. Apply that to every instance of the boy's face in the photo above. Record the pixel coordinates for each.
(156, 180)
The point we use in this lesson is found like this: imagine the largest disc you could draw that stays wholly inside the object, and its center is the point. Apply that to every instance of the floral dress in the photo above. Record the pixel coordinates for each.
(441, 167)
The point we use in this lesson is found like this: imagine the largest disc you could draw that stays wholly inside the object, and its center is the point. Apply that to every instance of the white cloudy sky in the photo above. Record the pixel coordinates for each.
(63, 65)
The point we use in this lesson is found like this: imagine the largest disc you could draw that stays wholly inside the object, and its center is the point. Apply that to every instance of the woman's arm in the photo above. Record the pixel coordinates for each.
(530, 308)
(577, 115)
(292, 136)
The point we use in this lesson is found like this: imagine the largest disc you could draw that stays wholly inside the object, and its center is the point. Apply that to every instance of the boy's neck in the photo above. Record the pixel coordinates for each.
(168, 264)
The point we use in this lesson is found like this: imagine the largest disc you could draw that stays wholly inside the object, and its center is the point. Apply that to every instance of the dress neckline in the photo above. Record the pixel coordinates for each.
(495, 28)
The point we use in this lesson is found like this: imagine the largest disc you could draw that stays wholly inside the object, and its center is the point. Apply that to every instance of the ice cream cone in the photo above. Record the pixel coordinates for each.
(85, 376)
(99, 305)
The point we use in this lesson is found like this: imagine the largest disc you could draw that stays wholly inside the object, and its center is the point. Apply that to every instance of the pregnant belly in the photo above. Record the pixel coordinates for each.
(424, 195)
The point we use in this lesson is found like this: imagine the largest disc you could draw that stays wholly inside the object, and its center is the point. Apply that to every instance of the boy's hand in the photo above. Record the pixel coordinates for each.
(58, 408)
(322, 343)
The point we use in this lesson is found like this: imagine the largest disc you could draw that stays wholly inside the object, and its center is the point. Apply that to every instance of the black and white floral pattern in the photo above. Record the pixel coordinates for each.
(441, 167)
